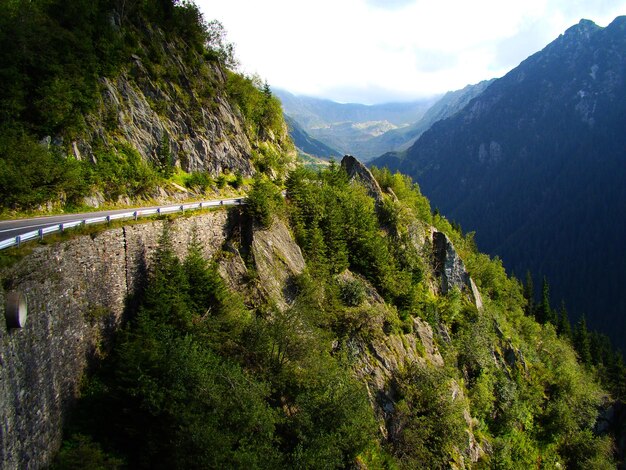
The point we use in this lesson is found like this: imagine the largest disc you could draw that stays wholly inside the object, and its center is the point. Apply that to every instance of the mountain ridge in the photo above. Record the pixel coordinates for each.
(551, 126)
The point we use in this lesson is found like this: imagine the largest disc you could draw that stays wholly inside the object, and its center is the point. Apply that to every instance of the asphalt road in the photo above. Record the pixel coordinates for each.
(13, 228)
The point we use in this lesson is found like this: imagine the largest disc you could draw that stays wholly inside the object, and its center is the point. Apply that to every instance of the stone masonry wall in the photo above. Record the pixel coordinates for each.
(76, 294)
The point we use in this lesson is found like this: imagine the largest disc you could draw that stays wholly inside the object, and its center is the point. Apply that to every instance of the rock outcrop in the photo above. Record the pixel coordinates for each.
(212, 141)
(163, 119)
(359, 172)
(277, 259)
(380, 359)
(450, 269)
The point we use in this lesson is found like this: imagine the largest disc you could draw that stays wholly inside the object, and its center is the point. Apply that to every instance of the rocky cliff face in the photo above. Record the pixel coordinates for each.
(76, 294)
(450, 270)
(358, 172)
(162, 117)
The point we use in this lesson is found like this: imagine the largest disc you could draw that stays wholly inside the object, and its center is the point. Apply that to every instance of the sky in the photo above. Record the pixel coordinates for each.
(377, 51)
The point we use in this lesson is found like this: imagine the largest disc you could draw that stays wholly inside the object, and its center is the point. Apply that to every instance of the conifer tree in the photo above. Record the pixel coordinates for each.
(529, 294)
(545, 314)
(564, 327)
(581, 341)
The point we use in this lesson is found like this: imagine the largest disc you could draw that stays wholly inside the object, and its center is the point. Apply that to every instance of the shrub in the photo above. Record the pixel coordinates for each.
(199, 179)
(264, 200)
(352, 293)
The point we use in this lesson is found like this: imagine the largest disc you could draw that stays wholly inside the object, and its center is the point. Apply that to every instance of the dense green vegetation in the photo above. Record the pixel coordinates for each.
(537, 170)
(53, 55)
(202, 377)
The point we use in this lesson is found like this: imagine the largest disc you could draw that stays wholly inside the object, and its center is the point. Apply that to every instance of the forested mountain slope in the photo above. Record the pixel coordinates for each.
(448, 105)
(342, 326)
(111, 99)
(536, 166)
(354, 129)
(307, 144)
(336, 322)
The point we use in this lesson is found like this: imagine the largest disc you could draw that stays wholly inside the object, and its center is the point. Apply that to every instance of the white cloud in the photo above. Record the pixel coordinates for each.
(375, 50)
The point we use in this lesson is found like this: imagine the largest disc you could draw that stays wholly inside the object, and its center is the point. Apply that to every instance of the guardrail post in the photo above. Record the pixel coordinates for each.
(136, 214)
(108, 219)
(159, 210)
(18, 239)
(61, 227)
(40, 234)
(182, 208)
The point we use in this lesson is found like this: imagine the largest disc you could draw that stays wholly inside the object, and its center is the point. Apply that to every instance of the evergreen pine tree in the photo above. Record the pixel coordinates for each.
(529, 294)
(581, 341)
(545, 314)
(617, 376)
(564, 327)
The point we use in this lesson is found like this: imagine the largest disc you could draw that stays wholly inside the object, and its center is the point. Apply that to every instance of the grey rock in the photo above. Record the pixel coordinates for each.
(450, 269)
(278, 260)
(359, 172)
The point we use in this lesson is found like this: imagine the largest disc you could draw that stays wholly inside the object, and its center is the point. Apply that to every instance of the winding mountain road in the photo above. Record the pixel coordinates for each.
(11, 229)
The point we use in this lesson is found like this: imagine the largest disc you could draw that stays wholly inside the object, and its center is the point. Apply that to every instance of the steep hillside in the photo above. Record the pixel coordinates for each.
(307, 144)
(112, 98)
(535, 165)
(342, 326)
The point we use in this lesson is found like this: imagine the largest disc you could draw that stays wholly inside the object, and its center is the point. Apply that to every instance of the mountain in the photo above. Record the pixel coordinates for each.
(536, 165)
(112, 101)
(313, 112)
(402, 138)
(331, 320)
(349, 127)
(307, 144)
(320, 329)
(370, 131)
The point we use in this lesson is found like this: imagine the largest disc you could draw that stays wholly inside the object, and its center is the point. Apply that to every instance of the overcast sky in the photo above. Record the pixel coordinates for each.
(374, 51)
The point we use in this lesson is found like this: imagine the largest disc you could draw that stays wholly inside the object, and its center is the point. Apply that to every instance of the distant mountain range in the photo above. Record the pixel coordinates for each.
(536, 164)
(370, 131)
(350, 127)
(402, 138)
(308, 144)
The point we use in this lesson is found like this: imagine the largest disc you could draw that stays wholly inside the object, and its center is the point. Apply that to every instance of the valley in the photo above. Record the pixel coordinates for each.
(424, 284)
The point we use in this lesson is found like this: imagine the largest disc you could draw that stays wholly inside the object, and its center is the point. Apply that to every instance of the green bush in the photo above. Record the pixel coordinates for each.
(263, 202)
(32, 174)
(122, 172)
(81, 452)
(199, 180)
(430, 427)
(352, 293)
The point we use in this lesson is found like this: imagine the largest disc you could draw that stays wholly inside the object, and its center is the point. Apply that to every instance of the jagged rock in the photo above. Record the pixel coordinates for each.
(425, 333)
(209, 141)
(357, 171)
(450, 269)
(278, 260)
(378, 360)
(95, 199)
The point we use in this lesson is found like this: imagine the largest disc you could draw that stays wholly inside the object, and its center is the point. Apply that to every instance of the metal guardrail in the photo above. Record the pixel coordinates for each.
(40, 233)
